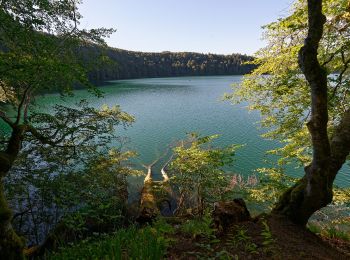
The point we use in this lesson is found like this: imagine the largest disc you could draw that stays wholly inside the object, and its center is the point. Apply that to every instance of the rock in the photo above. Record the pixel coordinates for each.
(227, 213)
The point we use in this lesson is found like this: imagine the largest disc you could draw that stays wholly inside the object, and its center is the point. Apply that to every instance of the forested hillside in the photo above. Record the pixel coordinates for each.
(129, 64)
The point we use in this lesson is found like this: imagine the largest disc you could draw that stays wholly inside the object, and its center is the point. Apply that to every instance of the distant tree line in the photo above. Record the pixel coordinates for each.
(129, 64)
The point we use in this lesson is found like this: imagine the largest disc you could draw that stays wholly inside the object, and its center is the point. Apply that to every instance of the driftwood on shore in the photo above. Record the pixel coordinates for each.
(148, 204)
(155, 194)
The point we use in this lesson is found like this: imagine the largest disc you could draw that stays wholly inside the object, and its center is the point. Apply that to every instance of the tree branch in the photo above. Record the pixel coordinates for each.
(43, 139)
(6, 119)
(21, 104)
(341, 74)
(340, 144)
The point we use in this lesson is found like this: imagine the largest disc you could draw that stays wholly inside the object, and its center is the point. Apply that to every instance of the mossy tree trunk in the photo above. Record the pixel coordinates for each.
(11, 246)
(314, 190)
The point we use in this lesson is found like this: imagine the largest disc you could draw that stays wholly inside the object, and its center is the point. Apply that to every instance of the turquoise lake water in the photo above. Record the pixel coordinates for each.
(167, 108)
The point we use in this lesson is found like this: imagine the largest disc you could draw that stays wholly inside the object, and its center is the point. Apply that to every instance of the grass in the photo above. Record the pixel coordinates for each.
(334, 232)
(130, 243)
(329, 231)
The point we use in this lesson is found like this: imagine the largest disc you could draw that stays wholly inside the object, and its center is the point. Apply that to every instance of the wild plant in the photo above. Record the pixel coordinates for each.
(129, 243)
(242, 239)
(268, 240)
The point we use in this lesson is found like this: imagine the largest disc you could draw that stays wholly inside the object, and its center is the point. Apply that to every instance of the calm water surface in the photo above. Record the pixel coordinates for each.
(167, 108)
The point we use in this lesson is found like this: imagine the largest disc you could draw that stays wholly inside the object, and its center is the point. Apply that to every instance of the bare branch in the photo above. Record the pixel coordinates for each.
(331, 57)
(340, 77)
(25, 111)
(23, 101)
(43, 139)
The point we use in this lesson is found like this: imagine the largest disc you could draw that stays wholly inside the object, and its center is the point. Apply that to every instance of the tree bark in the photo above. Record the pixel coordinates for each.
(11, 246)
(314, 190)
(340, 145)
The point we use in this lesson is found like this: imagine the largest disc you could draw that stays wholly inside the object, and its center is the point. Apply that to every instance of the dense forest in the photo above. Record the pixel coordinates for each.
(129, 64)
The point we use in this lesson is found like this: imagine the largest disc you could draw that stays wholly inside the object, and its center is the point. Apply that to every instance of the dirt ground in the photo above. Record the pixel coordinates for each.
(265, 237)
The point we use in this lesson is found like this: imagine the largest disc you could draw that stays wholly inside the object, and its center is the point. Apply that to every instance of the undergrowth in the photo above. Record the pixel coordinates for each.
(128, 243)
(329, 231)
(201, 226)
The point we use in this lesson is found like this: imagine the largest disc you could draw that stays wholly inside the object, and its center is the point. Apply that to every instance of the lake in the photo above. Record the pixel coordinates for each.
(167, 108)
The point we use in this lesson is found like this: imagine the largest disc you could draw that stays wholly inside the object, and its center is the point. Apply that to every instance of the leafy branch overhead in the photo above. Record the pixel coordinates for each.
(301, 88)
(70, 126)
(278, 91)
(42, 50)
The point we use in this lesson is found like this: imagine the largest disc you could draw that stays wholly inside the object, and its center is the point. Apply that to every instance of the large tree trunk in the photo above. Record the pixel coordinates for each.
(11, 246)
(308, 195)
(314, 190)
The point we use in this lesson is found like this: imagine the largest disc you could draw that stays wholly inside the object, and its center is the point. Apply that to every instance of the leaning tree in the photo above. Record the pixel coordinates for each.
(301, 87)
(42, 49)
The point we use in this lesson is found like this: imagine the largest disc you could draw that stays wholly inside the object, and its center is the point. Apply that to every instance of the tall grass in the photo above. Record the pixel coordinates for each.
(130, 243)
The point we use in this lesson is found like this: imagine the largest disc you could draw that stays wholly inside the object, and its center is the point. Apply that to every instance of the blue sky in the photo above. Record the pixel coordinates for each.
(215, 26)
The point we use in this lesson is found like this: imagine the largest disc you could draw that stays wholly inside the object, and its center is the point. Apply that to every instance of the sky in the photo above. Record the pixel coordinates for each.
(205, 26)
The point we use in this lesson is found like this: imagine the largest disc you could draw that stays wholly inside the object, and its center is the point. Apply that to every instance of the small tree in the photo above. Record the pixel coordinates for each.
(198, 174)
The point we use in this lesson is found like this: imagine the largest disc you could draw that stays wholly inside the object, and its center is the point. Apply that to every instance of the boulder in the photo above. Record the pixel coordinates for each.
(227, 213)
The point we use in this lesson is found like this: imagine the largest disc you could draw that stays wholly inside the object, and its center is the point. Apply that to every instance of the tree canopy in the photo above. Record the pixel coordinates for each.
(40, 48)
(301, 88)
(277, 89)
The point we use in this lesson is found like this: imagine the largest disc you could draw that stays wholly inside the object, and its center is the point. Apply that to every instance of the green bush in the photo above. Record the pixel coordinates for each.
(198, 173)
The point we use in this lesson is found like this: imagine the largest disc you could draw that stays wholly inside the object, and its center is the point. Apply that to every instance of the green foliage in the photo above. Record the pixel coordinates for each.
(329, 230)
(40, 50)
(341, 196)
(201, 229)
(197, 172)
(130, 243)
(277, 89)
(268, 240)
(41, 47)
(272, 183)
(81, 181)
(331, 221)
(200, 226)
(314, 228)
(334, 232)
(242, 239)
(224, 255)
(163, 227)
